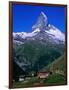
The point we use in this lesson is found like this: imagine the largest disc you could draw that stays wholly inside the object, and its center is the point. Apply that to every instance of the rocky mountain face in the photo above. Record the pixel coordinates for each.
(32, 51)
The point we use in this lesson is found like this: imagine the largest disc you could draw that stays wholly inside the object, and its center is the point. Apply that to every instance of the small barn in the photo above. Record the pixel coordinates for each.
(43, 74)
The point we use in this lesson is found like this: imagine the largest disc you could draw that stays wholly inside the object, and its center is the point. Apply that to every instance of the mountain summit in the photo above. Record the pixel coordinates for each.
(42, 22)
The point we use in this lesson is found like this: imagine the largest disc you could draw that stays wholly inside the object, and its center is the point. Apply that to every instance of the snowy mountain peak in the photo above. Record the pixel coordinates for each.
(41, 29)
(41, 22)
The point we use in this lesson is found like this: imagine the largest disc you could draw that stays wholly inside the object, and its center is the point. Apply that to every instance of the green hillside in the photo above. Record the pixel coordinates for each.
(58, 64)
(57, 68)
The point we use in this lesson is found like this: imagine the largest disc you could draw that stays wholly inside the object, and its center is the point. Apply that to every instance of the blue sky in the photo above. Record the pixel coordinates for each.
(25, 16)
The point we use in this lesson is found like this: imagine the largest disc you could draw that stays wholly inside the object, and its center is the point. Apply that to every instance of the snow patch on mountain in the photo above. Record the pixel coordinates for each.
(25, 34)
(56, 33)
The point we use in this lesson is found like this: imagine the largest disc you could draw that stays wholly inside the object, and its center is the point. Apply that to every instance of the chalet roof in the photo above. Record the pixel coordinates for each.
(43, 72)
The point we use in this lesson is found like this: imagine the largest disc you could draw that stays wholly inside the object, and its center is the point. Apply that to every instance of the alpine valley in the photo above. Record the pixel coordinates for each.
(35, 50)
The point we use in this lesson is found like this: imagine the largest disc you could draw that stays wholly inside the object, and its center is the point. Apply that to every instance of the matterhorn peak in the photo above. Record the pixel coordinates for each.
(41, 22)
